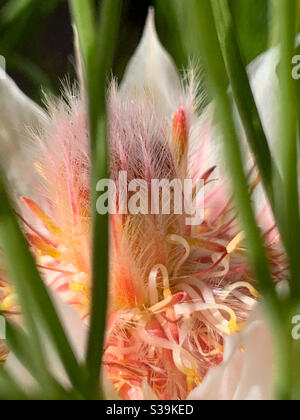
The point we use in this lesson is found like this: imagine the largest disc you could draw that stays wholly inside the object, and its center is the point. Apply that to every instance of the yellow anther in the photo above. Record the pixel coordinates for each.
(232, 325)
(241, 285)
(40, 169)
(78, 287)
(167, 293)
(255, 182)
(234, 244)
(193, 378)
(253, 291)
(158, 307)
(10, 301)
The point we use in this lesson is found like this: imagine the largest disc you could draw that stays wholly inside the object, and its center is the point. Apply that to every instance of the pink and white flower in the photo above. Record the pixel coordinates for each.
(179, 297)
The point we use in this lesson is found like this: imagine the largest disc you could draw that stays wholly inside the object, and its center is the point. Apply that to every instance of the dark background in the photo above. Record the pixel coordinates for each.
(38, 43)
(36, 37)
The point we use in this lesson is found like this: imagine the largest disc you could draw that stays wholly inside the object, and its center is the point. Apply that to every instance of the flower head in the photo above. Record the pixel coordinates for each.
(177, 292)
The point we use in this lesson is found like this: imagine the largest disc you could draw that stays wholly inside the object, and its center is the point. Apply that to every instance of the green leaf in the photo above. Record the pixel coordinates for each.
(242, 92)
(13, 9)
(285, 16)
(22, 347)
(9, 390)
(83, 12)
(37, 307)
(169, 22)
(251, 20)
(97, 46)
(216, 74)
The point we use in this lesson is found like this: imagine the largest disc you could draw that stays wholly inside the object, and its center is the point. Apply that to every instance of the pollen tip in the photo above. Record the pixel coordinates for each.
(180, 133)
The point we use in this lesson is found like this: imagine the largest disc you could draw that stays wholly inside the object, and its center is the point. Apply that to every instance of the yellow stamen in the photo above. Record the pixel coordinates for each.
(234, 244)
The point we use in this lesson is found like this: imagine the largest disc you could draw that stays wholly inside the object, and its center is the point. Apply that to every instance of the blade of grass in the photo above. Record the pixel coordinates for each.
(252, 26)
(217, 79)
(38, 365)
(286, 18)
(278, 310)
(167, 21)
(83, 12)
(109, 26)
(9, 390)
(35, 301)
(248, 111)
(14, 9)
(19, 343)
(188, 25)
(98, 55)
(22, 347)
(242, 92)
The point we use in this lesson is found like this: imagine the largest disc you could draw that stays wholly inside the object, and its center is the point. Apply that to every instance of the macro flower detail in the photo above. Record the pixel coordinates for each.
(182, 315)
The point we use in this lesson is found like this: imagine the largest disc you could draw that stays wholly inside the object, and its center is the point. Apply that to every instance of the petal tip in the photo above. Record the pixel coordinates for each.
(150, 23)
(152, 70)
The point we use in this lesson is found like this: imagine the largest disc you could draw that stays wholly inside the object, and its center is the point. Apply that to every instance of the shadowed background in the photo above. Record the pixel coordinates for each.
(37, 41)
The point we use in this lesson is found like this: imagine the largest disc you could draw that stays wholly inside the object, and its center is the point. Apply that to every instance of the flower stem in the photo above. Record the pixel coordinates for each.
(215, 74)
(286, 18)
(37, 307)
(287, 358)
(97, 40)
(242, 92)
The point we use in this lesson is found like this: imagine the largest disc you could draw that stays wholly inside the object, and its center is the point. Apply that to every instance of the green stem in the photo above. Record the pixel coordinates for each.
(288, 138)
(37, 307)
(84, 17)
(287, 357)
(97, 45)
(246, 105)
(215, 73)
(242, 92)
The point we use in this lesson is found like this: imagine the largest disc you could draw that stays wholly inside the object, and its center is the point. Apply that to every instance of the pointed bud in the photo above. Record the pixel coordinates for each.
(180, 133)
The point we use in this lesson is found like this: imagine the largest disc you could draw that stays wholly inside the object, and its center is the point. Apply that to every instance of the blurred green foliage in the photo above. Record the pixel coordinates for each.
(27, 40)
(252, 24)
(36, 37)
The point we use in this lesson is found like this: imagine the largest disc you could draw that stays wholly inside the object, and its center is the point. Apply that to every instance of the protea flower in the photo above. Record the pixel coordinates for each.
(179, 295)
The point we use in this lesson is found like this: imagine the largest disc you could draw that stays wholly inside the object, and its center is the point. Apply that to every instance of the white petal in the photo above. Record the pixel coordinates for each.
(17, 111)
(75, 328)
(264, 83)
(152, 71)
(220, 382)
(244, 374)
(148, 393)
(256, 380)
(206, 145)
(109, 391)
(76, 331)
(265, 87)
(17, 114)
